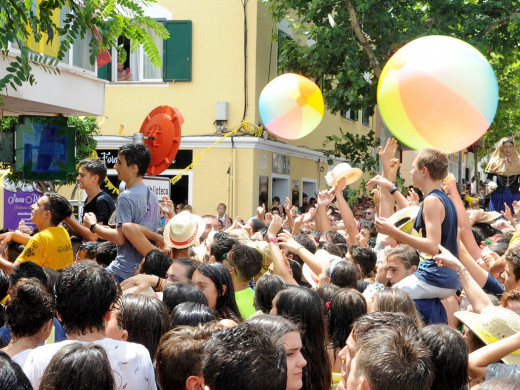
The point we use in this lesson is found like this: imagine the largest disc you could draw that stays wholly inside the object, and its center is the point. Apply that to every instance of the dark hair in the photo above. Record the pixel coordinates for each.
(326, 292)
(78, 366)
(95, 166)
(513, 256)
(393, 351)
(52, 277)
(84, 293)
(12, 376)
(226, 306)
(28, 269)
(178, 293)
(179, 355)
(244, 357)
(486, 230)
(331, 248)
(334, 237)
(364, 256)
(106, 252)
(192, 314)
(266, 288)
(90, 248)
(345, 274)
(189, 264)
(257, 225)
(13, 251)
(145, 319)
(297, 273)
(477, 236)
(246, 260)
(303, 307)
(4, 284)
(58, 206)
(306, 242)
(408, 255)
(222, 244)
(369, 225)
(31, 306)
(346, 306)
(156, 263)
(137, 154)
(396, 300)
(449, 355)
(343, 248)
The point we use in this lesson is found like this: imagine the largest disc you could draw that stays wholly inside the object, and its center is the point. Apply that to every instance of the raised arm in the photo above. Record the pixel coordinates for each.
(281, 266)
(346, 212)
(104, 232)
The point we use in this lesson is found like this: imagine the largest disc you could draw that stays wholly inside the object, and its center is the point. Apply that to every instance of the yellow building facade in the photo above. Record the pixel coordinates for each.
(232, 58)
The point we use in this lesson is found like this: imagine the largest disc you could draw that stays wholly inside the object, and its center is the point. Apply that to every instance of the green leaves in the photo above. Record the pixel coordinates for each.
(112, 18)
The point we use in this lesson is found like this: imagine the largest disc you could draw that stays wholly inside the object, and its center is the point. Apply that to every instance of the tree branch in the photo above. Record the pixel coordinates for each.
(362, 38)
(500, 22)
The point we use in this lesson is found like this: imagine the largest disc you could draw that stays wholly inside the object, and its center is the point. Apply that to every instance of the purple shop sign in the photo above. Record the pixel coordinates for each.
(17, 206)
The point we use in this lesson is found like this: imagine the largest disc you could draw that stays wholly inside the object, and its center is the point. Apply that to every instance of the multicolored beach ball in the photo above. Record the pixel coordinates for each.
(439, 92)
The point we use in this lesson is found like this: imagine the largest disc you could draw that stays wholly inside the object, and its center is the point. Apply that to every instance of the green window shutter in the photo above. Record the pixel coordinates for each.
(105, 72)
(177, 51)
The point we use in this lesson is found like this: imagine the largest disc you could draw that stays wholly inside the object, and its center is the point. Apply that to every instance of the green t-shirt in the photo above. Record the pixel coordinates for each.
(245, 302)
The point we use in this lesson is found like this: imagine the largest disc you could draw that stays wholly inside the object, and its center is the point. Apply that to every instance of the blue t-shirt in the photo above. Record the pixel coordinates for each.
(492, 286)
(428, 271)
(137, 204)
(432, 311)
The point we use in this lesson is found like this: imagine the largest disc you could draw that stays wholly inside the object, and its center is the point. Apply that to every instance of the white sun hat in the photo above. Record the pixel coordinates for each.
(184, 230)
(403, 220)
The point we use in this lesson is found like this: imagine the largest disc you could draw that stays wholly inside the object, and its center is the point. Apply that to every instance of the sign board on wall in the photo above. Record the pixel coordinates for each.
(17, 205)
(158, 184)
(281, 164)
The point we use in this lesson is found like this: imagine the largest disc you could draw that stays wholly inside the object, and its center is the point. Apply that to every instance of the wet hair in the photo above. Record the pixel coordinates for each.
(345, 274)
(12, 376)
(189, 265)
(435, 160)
(450, 357)
(191, 314)
(178, 293)
(257, 225)
(222, 244)
(145, 319)
(78, 366)
(346, 306)
(106, 252)
(137, 154)
(365, 257)
(179, 355)
(84, 293)
(266, 288)
(244, 349)
(156, 263)
(303, 307)
(30, 308)
(246, 260)
(28, 269)
(58, 206)
(226, 306)
(95, 166)
(90, 248)
(396, 300)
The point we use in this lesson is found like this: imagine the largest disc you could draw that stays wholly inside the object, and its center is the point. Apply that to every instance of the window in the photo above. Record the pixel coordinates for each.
(365, 119)
(350, 114)
(175, 55)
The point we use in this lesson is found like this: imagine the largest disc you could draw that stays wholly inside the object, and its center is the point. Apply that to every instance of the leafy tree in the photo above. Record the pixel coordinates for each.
(22, 20)
(347, 59)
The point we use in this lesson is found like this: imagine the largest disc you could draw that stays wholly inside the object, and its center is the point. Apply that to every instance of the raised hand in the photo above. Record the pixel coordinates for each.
(388, 153)
(325, 198)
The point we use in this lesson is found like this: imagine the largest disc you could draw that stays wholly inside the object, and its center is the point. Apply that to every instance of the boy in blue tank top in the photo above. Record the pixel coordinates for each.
(436, 224)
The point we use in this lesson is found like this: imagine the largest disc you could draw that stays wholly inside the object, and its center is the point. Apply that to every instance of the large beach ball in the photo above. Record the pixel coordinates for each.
(291, 106)
(438, 92)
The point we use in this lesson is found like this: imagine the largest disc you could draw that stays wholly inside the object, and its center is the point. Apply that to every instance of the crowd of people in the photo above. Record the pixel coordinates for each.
(416, 290)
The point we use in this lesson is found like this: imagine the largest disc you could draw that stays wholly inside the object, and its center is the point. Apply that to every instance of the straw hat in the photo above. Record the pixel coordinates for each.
(184, 230)
(241, 235)
(492, 324)
(263, 248)
(403, 220)
(489, 216)
(340, 171)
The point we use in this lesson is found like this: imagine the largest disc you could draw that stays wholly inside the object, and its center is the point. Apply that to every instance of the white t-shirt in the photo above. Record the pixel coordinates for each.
(21, 357)
(130, 362)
